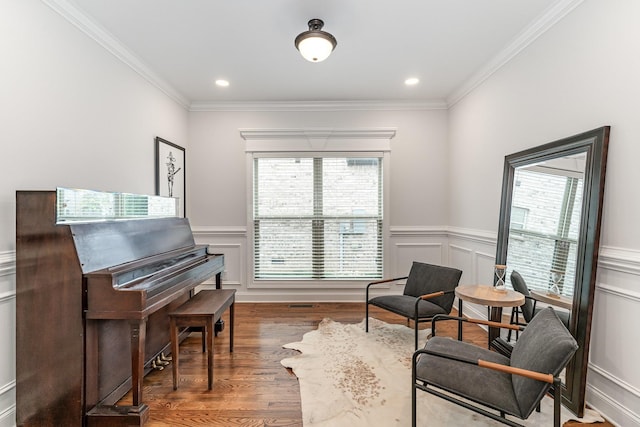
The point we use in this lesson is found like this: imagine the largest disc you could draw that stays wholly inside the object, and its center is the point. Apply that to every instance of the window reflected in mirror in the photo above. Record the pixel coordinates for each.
(78, 205)
(545, 223)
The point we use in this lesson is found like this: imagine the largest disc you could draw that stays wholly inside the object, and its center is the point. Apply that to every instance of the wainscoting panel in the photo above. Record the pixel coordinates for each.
(231, 242)
(613, 379)
(462, 258)
(8, 404)
(485, 264)
(7, 339)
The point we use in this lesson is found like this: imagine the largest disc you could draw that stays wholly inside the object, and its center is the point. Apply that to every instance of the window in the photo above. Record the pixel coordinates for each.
(317, 217)
(518, 217)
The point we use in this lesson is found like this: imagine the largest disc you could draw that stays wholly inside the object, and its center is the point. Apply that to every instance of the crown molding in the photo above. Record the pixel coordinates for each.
(315, 106)
(317, 133)
(548, 19)
(105, 39)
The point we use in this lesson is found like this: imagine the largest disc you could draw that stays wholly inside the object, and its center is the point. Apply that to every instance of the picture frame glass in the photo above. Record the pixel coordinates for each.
(170, 172)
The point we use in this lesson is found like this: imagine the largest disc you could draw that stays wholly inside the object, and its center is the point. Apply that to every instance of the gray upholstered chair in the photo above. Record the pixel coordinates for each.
(528, 309)
(429, 290)
(495, 385)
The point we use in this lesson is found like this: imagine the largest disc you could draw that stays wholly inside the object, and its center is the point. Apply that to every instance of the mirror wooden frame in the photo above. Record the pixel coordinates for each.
(595, 144)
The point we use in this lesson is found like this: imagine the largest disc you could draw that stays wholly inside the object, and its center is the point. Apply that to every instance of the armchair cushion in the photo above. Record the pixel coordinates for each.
(479, 384)
(405, 305)
(545, 346)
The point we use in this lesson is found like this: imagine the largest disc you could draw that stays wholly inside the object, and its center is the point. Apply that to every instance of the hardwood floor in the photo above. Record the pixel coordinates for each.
(251, 388)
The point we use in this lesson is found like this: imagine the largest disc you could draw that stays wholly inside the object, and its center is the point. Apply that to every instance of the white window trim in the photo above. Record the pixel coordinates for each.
(323, 141)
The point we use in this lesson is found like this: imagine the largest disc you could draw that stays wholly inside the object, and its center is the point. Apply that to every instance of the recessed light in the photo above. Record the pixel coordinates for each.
(222, 83)
(412, 81)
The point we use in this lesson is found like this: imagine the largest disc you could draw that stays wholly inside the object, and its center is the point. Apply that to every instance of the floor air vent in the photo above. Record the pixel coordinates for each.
(300, 305)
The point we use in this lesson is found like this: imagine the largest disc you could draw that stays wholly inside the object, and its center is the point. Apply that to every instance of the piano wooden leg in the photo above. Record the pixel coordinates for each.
(138, 337)
(174, 351)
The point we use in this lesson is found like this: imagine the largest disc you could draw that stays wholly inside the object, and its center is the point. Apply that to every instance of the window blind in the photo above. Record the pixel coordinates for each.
(545, 221)
(317, 217)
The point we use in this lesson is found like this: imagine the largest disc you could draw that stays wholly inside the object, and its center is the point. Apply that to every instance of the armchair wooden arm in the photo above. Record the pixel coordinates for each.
(429, 296)
(433, 295)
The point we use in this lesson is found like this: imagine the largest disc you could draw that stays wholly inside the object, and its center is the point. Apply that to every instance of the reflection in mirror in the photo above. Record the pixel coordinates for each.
(544, 224)
(78, 205)
(549, 232)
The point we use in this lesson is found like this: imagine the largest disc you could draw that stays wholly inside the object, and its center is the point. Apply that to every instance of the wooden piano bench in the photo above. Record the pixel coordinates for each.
(202, 310)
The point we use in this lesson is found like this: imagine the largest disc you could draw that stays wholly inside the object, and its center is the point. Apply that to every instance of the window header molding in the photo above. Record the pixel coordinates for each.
(318, 139)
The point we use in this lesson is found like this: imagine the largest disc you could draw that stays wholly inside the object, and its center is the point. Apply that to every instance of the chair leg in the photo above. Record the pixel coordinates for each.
(513, 315)
(416, 334)
(366, 317)
(413, 394)
(557, 401)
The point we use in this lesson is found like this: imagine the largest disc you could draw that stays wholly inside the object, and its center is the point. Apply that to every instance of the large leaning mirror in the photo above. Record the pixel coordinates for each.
(549, 233)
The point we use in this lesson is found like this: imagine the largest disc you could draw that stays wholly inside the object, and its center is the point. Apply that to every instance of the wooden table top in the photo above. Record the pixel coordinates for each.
(557, 300)
(486, 295)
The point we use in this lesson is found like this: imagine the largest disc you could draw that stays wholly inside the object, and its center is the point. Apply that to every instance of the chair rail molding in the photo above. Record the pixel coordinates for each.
(620, 259)
(417, 231)
(480, 236)
(7, 263)
(220, 231)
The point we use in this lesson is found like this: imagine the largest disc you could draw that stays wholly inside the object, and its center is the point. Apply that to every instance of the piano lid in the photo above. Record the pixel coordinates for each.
(105, 244)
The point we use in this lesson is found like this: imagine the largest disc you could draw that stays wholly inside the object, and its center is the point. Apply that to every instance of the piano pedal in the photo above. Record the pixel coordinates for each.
(155, 366)
(165, 358)
(160, 362)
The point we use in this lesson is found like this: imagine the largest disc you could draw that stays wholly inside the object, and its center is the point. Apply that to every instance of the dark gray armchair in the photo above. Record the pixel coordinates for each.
(429, 291)
(528, 309)
(495, 385)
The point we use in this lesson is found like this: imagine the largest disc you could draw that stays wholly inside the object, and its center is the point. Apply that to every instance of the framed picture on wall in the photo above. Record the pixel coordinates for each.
(170, 172)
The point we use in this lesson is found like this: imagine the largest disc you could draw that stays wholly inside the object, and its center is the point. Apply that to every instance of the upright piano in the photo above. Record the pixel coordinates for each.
(92, 300)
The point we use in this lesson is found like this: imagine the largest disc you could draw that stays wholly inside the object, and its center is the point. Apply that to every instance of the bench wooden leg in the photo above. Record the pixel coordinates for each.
(210, 331)
(231, 321)
(174, 352)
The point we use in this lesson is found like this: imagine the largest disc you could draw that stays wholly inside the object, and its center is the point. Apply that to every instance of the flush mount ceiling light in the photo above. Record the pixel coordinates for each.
(315, 45)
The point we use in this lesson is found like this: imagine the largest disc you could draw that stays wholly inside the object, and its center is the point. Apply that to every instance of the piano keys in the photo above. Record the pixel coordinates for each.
(91, 309)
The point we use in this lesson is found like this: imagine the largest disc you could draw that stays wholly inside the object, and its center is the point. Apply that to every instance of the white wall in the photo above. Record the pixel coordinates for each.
(218, 193)
(419, 152)
(73, 115)
(580, 75)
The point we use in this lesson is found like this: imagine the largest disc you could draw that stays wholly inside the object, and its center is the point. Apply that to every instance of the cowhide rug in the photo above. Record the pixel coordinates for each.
(349, 378)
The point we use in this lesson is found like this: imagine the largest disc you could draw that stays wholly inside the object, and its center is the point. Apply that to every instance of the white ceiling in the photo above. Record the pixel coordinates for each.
(183, 46)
